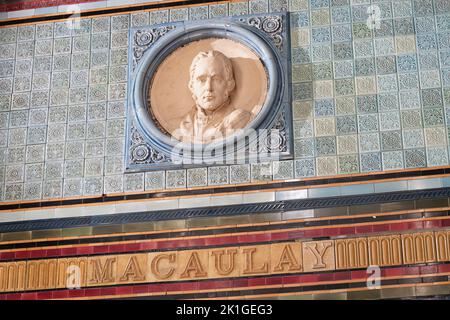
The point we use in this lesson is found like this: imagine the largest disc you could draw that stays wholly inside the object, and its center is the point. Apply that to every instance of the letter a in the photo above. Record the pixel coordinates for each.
(287, 258)
(132, 270)
(193, 265)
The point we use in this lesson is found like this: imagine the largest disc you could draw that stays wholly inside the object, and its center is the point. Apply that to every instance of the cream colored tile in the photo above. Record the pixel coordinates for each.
(292, 194)
(257, 197)
(226, 200)
(194, 202)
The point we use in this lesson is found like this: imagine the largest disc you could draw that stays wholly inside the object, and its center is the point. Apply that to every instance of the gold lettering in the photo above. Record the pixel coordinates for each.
(155, 266)
(102, 274)
(250, 267)
(219, 263)
(287, 258)
(132, 270)
(193, 265)
(319, 253)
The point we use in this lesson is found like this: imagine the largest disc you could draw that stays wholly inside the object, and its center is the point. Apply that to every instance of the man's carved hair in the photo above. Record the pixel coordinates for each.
(228, 67)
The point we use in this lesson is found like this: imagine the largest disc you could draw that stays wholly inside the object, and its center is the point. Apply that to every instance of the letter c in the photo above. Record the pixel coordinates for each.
(155, 266)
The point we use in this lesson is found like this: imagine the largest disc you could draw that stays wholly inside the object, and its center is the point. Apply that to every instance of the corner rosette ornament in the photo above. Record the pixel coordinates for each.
(272, 25)
(140, 152)
(143, 38)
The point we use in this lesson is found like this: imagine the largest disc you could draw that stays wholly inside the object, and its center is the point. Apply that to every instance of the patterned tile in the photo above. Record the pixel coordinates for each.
(239, 173)
(370, 162)
(13, 192)
(345, 105)
(391, 140)
(93, 186)
(323, 127)
(32, 191)
(431, 98)
(283, 170)
(321, 17)
(386, 29)
(384, 46)
(179, 14)
(261, 171)
(423, 8)
(366, 104)
(343, 69)
(158, 17)
(321, 52)
(415, 158)
(387, 83)
(175, 179)
(326, 166)
(73, 168)
(304, 148)
(304, 168)
(303, 129)
(340, 14)
(437, 156)
(413, 138)
(218, 175)
(365, 85)
(113, 184)
(369, 142)
(238, 8)
(219, 10)
(433, 117)
(258, 6)
(405, 44)
(344, 87)
(137, 19)
(73, 187)
(133, 182)
(368, 123)
(299, 19)
(389, 121)
(198, 13)
(197, 177)
(324, 108)
(343, 51)
(348, 164)
(325, 146)
(154, 180)
(435, 137)
(392, 160)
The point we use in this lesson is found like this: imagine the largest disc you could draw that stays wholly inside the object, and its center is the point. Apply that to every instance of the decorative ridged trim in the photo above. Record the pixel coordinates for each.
(232, 210)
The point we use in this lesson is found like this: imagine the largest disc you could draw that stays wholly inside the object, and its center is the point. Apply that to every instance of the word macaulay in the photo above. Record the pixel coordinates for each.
(180, 265)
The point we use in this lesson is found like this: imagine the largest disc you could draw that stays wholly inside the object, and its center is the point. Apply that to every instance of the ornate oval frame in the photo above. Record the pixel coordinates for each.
(253, 38)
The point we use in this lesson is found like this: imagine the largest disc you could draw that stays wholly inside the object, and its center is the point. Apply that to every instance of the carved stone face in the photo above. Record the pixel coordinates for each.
(209, 84)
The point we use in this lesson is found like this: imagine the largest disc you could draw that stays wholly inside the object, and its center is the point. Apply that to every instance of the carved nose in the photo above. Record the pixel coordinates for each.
(208, 84)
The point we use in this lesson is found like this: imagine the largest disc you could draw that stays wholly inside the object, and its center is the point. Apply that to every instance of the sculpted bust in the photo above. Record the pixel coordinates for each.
(211, 84)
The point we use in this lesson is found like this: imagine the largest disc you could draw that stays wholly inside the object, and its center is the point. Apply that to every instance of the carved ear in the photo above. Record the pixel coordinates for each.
(231, 85)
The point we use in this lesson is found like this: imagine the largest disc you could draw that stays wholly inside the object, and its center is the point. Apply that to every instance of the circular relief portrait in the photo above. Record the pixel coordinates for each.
(207, 89)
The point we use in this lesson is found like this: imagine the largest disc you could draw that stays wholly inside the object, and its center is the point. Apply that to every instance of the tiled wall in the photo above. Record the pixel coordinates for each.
(364, 100)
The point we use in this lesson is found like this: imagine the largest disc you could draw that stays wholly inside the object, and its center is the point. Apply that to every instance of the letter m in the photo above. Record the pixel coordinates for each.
(102, 274)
